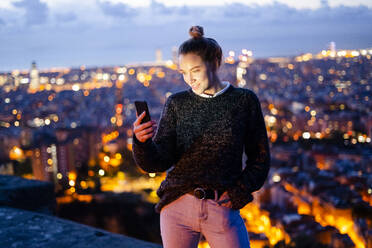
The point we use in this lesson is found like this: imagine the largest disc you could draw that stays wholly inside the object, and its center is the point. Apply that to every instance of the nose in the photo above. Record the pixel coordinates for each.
(190, 78)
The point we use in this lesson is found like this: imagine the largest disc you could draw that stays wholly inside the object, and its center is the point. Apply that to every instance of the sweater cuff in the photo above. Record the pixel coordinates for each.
(141, 144)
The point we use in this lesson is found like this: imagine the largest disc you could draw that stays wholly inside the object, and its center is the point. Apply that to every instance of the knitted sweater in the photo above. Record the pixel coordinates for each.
(199, 143)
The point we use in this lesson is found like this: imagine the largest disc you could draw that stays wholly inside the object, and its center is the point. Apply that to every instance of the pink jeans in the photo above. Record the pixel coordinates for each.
(184, 220)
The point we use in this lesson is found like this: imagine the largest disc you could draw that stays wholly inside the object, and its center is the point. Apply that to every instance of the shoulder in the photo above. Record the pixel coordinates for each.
(178, 97)
(247, 94)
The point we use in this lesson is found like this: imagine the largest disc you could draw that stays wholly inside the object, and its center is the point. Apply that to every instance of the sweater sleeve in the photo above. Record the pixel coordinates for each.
(158, 154)
(257, 166)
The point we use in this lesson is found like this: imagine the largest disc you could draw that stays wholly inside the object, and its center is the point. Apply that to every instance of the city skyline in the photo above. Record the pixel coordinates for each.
(73, 128)
(116, 32)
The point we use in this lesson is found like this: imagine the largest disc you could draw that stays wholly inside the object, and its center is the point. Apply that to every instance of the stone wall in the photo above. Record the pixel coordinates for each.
(22, 228)
(26, 220)
(27, 194)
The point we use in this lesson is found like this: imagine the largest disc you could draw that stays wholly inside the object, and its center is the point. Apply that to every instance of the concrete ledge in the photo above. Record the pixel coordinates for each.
(27, 194)
(22, 228)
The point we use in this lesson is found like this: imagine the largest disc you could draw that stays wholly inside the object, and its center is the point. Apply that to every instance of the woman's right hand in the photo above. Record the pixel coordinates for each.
(145, 130)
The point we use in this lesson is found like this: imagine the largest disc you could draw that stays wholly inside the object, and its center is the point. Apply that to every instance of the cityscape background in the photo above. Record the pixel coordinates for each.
(67, 108)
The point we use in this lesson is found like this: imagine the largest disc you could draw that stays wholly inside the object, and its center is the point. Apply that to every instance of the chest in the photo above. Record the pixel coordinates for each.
(226, 122)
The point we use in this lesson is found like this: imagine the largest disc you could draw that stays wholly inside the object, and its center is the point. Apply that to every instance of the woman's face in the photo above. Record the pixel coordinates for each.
(196, 73)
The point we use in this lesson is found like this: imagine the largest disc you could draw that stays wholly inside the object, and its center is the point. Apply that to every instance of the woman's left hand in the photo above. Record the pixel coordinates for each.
(224, 200)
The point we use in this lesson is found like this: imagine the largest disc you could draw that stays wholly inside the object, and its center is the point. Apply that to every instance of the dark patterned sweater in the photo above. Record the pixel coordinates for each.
(199, 143)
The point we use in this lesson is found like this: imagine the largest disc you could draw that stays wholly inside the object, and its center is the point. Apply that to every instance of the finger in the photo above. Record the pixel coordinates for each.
(144, 126)
(228, 205)
(139, 118)
(223, 196)
(223, 201)
(140, 127)
(145, 131)
(145, 137)
(148, 130)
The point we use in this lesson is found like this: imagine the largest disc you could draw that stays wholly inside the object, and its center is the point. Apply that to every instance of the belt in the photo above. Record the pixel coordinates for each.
(201, 193)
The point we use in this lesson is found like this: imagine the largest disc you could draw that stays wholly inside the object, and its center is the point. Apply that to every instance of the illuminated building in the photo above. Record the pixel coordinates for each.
(41, 169)
(175, 55)
(158, 55)
(34, 78)
(75, 148)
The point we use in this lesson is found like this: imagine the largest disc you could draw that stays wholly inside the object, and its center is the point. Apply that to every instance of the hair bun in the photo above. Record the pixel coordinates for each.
(196, 32)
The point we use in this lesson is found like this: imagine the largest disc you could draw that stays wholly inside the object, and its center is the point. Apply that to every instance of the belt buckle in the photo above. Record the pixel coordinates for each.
(202, 190)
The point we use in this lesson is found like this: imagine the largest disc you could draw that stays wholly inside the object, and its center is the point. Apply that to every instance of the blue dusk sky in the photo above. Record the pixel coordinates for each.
(70, 33)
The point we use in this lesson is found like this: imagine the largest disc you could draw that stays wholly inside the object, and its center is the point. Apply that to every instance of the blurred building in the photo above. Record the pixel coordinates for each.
(34, 78)
(158, 55)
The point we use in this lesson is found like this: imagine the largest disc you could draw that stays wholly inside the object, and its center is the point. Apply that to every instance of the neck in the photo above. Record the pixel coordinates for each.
(215, 85)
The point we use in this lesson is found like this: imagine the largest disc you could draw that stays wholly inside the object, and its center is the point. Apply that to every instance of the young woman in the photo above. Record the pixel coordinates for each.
(199, 143)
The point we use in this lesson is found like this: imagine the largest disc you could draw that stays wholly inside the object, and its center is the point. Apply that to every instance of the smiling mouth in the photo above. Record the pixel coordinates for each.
(194, 86)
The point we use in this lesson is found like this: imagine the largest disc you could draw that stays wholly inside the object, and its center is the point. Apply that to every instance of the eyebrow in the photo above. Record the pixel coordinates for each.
(198, 66)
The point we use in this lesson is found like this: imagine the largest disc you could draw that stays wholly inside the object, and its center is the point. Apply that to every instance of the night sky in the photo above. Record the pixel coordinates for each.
(64, 33)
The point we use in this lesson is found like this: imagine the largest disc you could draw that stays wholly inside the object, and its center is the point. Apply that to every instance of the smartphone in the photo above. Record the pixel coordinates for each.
(140, 107)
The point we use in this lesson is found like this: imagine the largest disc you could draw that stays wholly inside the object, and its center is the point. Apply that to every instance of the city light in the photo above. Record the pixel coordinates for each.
(25, 80)
(16, 153)
(276, 178)
(105, 76)
(71, 183)
(121, 70)
(72, 175)
(270, 120)
(306, 135)
(361, 139)
(355, 53)
(311, 104)
(119, 108)
(121, 77)
(274, 111)
(263, 76)
(76, 87)
(109, 137)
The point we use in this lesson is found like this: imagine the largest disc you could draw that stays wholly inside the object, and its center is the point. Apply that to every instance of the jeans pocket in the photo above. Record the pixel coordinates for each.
(223, 217)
